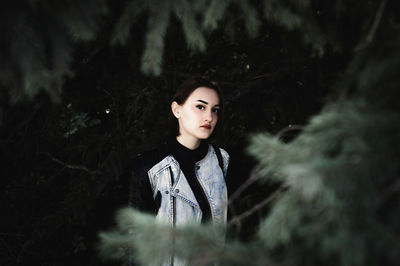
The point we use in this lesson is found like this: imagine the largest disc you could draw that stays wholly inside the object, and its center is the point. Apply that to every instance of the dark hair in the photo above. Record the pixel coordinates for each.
(183, 92)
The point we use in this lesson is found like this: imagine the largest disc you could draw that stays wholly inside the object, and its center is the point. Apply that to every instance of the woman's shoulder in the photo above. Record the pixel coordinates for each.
(146, 160)
(222, 151)
(223, 158)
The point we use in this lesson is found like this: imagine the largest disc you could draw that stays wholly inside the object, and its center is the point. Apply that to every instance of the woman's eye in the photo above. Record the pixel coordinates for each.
(216, 111)
(200, 107)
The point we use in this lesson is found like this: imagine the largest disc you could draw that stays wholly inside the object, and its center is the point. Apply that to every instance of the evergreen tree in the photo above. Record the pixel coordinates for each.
(37, 44)
(339, 190)
(40, 37)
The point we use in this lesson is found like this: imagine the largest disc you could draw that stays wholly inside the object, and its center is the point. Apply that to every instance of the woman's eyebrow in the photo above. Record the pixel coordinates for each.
(202, 101)
(217, 105)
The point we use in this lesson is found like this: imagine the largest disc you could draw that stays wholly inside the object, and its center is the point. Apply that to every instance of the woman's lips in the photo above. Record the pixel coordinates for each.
(206, 126)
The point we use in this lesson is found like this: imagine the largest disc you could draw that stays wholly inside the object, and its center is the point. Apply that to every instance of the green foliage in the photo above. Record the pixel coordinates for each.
(214, 13)
(40, 35)
(144, 122)
(72, 121)
(251, 19)
(79, 18)
(195, 16)
(122, 29)
(297, 15)
(125, 242)
(335, 190)
(37, 44)
(157, 24)
(193, 34)
(340, 174)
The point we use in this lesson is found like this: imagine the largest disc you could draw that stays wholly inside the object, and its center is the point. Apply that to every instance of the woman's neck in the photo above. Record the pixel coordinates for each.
(190, 143)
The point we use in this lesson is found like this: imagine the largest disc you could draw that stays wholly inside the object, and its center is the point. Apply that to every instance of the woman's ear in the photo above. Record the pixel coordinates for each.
(175, 108)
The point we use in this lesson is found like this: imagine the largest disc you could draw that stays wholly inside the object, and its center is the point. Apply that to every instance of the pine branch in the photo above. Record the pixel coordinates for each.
(377, 21)
(374, 27)
(253, 178)
(250, 17)
(121, 32)
(158, 24)
(73, 166)
(281, 133)
(214, 14)
(237, 219)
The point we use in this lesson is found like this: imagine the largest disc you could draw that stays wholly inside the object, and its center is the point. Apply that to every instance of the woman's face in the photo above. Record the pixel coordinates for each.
(198, 116)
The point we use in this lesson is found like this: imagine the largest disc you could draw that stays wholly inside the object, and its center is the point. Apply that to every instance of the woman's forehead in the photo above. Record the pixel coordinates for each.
(204, 94)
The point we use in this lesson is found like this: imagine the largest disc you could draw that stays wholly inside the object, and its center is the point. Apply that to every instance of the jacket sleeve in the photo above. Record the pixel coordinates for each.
(141, 194)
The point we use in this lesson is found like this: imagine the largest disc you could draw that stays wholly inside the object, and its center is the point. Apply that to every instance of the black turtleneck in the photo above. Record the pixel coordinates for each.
(187, 159)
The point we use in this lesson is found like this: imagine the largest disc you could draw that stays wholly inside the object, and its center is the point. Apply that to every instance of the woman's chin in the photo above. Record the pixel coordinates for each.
(204, 136)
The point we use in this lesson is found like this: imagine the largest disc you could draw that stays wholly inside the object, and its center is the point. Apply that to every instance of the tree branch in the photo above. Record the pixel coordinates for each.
(260, 84)
(253, 178)
(237, 219)
(377, 21)
(73, 166)
(374, 27)
(281, 133)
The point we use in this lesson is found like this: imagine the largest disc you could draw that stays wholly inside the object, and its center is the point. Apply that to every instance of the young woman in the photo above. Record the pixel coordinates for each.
(183, 181)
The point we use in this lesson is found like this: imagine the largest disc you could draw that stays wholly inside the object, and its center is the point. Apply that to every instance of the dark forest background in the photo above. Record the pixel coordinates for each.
(86, 85)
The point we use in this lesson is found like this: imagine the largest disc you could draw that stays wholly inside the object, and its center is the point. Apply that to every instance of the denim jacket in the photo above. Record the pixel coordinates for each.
(160, 187)
(178, 204)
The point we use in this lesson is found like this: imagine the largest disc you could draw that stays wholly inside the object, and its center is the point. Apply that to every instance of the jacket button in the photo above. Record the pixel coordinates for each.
(176, 190)
(167, 192)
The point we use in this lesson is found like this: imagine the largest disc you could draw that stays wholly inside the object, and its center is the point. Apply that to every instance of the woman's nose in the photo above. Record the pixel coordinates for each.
(208, 116)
